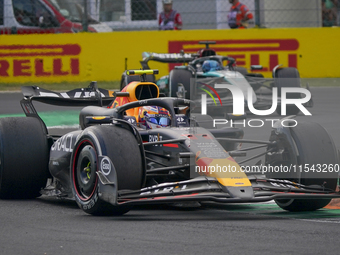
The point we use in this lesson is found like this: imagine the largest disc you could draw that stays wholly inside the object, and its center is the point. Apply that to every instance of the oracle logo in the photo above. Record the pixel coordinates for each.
(105, 166)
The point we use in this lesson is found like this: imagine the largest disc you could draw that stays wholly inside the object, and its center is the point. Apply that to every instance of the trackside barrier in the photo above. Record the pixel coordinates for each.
(102, 57)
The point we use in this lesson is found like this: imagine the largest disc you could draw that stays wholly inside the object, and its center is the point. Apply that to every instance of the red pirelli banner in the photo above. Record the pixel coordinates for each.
(104, 56)
(30, 60)
(248, 52)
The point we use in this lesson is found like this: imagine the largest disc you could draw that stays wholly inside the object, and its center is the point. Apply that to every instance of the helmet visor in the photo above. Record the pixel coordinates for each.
(162, 121)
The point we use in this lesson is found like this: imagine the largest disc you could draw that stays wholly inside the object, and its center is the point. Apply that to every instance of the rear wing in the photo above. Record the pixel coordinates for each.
(77, 97)
(166, 58)
(91, 95)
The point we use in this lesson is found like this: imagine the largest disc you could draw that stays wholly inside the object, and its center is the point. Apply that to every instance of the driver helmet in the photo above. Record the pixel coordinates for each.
(150, 117)
(211, 65)
(167, 1)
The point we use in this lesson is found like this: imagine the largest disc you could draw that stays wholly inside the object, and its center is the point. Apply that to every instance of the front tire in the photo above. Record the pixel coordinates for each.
(24, 153)
(179, 76)
(288, 78)
(315, 146)
(118, 144)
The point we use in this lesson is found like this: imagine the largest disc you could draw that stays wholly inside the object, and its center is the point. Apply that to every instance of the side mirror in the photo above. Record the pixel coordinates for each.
(256, 67)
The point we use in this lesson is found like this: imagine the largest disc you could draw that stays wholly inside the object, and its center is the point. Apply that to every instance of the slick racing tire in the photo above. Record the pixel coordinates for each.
(24, 153)
(120, 145)
(179, 76)
(287, 78)
(315, 146)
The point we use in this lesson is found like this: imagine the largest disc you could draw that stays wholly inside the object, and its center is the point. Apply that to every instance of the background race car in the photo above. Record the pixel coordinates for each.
(207, 68)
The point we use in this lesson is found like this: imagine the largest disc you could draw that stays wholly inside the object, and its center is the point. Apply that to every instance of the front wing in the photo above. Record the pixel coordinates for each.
(209, 189)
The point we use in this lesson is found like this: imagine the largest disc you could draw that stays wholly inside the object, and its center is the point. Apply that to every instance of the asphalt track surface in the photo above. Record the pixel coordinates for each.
(52, 226)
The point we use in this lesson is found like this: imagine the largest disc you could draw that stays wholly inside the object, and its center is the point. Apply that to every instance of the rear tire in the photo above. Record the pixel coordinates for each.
(315, 146)
(118, 144)
(179, 76)
(288, 78)
(24, 157)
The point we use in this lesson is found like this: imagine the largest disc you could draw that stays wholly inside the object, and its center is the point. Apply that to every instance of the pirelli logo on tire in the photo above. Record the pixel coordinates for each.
(266, 52)
(23, 62)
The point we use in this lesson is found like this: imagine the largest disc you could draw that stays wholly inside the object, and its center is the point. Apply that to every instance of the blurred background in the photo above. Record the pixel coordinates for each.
(123, 15)
(296, 33)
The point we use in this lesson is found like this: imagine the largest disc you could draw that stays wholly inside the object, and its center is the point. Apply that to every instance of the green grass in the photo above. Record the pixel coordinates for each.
(64, 86)
(51, 119)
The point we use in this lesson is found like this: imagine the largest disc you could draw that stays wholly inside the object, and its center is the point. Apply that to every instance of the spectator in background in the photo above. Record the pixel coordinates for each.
(169, 19)
(329, 13)
(239, 15)
(21, 15)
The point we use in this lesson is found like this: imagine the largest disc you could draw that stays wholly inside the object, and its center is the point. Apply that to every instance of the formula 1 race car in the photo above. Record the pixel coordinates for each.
(146, 149)
(207, 68)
